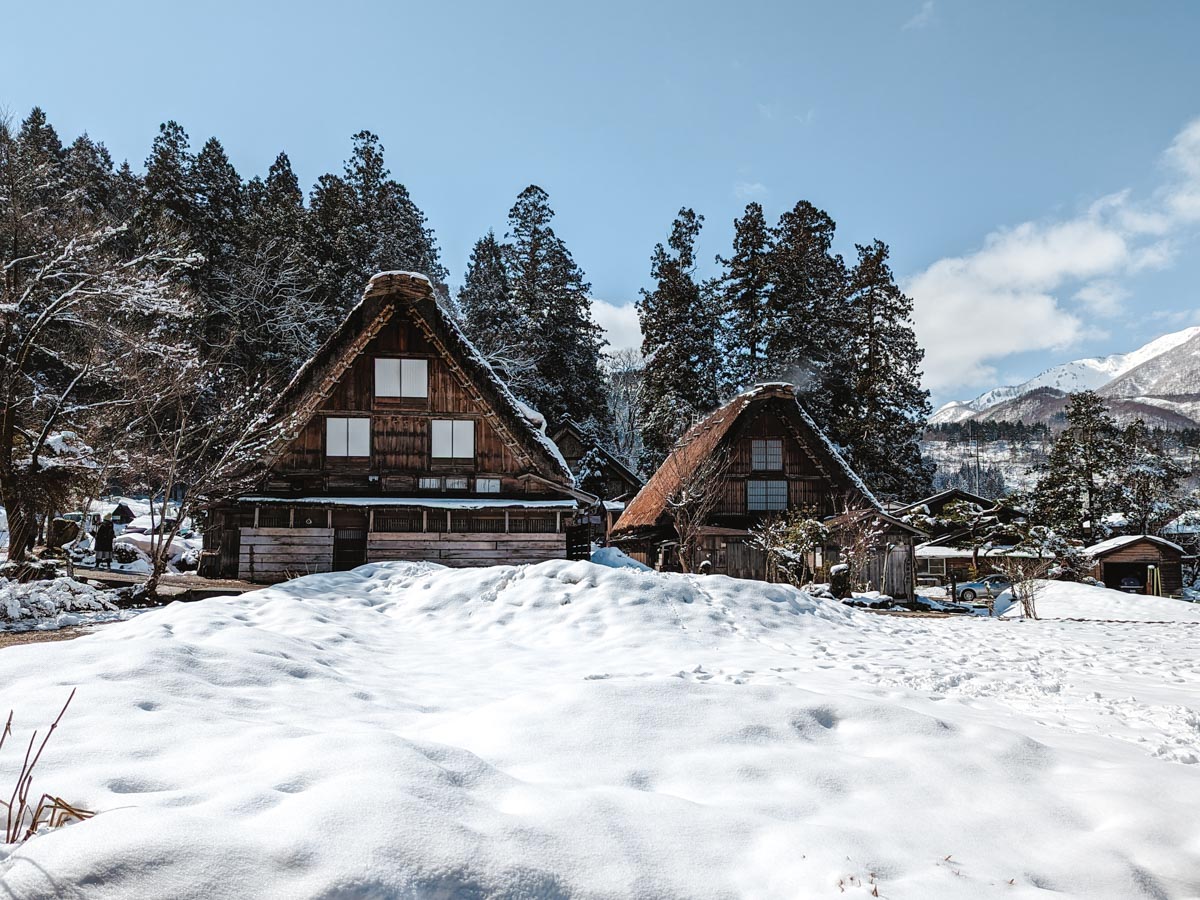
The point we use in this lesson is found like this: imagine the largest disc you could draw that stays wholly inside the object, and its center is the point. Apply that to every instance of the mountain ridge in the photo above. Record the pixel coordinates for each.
(1158, 382)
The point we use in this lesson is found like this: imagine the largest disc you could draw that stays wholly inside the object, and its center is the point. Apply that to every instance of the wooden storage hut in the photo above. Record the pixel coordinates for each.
(1130, 563)
(773, 458)
(395, 441)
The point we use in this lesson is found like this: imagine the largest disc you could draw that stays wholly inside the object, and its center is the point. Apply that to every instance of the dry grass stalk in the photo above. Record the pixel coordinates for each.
(50, 810)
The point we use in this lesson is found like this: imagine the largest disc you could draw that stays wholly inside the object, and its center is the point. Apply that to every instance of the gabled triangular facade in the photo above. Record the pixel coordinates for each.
(393, 442)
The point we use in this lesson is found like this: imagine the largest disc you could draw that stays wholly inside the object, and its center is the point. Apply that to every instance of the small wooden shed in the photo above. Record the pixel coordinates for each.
(1125, 563)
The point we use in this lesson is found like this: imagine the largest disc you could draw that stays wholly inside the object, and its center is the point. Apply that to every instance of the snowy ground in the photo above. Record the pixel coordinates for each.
(572, 730)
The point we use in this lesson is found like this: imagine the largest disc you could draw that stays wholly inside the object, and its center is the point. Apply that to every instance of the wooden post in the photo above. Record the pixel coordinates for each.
(256, 509)
(329, 517)
(506, 531)
(424, 521)
(558, 522)
(291, 517)
(371, 519)
(449, 522)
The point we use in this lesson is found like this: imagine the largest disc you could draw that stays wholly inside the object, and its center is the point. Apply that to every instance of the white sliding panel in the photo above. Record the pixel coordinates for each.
(335, 437)
(387, 378)
(464, 439)
(358, 437)
(441, 436)
(414, 378)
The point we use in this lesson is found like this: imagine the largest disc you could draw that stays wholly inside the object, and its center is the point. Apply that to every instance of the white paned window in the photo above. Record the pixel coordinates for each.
(766, 496)
(430, 484)
(487, 485)
(401, 378)
(456, 484)
(452, 438)
(347, 437)
(766, 455)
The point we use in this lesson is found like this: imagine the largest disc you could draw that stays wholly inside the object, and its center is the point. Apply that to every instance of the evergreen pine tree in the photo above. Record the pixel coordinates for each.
(168, 196)
(1075, 491)
(1149, 484)
(549, 290)
(872, 383)
(805, 317)
(490, 317)
(365, 222)
(679, 327)
(744, 290)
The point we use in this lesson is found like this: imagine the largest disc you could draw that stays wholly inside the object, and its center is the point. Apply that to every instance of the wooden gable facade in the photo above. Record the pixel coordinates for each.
(396, 442)
(619, 481)
(774, 458)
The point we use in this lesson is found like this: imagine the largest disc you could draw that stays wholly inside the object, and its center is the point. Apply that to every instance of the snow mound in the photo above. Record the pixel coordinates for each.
(1071, 600)
(49, 604)
(615, 558)
(576, 730)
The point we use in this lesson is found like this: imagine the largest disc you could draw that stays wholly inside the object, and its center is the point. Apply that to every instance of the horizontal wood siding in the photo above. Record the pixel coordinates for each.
(461, 549)
(267, 555)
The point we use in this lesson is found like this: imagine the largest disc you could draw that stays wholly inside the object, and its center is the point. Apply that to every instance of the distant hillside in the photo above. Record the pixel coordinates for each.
(1158, 382)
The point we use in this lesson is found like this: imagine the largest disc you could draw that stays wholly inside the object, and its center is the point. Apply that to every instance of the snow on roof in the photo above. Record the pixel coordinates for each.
(1185, 523)
(426, 502)
(933, 551)
(1124, 540)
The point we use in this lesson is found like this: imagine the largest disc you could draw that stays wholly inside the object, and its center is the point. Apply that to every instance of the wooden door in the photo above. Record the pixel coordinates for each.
(349, 539)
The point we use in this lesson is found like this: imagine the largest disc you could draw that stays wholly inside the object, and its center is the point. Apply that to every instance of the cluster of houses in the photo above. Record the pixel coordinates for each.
(397, 441)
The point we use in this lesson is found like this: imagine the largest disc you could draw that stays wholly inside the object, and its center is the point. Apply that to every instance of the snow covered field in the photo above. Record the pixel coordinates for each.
(572, 730)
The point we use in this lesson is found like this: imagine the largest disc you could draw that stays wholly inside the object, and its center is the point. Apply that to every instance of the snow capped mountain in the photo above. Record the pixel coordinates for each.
(1164, 374)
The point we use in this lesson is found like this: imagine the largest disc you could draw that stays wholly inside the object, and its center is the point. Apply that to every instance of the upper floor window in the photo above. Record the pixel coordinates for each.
(487, 485)
(347, 437)
(452, 438)
(401, 378)
(766, 454)
(766, 496)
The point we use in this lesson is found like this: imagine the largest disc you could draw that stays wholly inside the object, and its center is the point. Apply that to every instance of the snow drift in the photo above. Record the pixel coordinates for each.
(575, 730)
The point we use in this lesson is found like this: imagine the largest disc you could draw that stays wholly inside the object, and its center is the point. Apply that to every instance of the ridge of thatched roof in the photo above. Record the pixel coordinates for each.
(704, 438)
(391, 295)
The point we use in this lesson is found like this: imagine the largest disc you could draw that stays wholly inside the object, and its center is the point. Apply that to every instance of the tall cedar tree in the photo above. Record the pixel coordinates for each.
(679, 330)
(805, 315)
(872, 382)
(1149, 484)
(744, 290)
(364, 222)
(1076, 489)
(492, 319)
(549, 290)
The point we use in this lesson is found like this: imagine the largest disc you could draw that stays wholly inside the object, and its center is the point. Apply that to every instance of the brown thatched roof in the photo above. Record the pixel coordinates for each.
(389, 295)
(710, 435)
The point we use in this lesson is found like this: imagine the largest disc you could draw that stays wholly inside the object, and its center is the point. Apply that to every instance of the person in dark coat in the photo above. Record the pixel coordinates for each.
(104, 543)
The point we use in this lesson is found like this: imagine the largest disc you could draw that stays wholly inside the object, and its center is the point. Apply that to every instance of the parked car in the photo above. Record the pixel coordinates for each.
(989, 586)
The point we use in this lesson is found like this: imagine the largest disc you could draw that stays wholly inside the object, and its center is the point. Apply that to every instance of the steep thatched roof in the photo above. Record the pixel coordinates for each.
(409, 295)
(712, 434)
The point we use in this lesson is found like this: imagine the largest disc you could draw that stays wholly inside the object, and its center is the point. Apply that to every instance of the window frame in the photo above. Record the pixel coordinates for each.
(490, 480)
(350, 440)
(770, 488)
(453, 430)
(768, 448)
(404, 376)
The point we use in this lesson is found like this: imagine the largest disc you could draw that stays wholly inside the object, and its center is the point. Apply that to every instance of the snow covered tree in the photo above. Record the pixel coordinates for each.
(624, 380)
(168, 200)
(1075, 491)
(1149, 485)
(875, 405)
(744, 289)
(74, 296)
(550, 292)
(497, 327)
(789, 540)
(679, 332)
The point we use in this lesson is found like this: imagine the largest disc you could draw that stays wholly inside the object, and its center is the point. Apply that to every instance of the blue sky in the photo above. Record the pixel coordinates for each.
(1030, 164)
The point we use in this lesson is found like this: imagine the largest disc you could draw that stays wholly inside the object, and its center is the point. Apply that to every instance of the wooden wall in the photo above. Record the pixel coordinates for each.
(268, 555)
(1141, 554)
(460, 550)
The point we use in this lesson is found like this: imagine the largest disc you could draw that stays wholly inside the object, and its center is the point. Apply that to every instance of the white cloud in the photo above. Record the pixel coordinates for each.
(747, 190)
(1103, 297)
(620, 324)
(924, 17)
(973, 311)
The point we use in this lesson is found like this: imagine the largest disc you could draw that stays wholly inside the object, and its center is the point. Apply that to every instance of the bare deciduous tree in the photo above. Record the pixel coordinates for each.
(690, 495)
